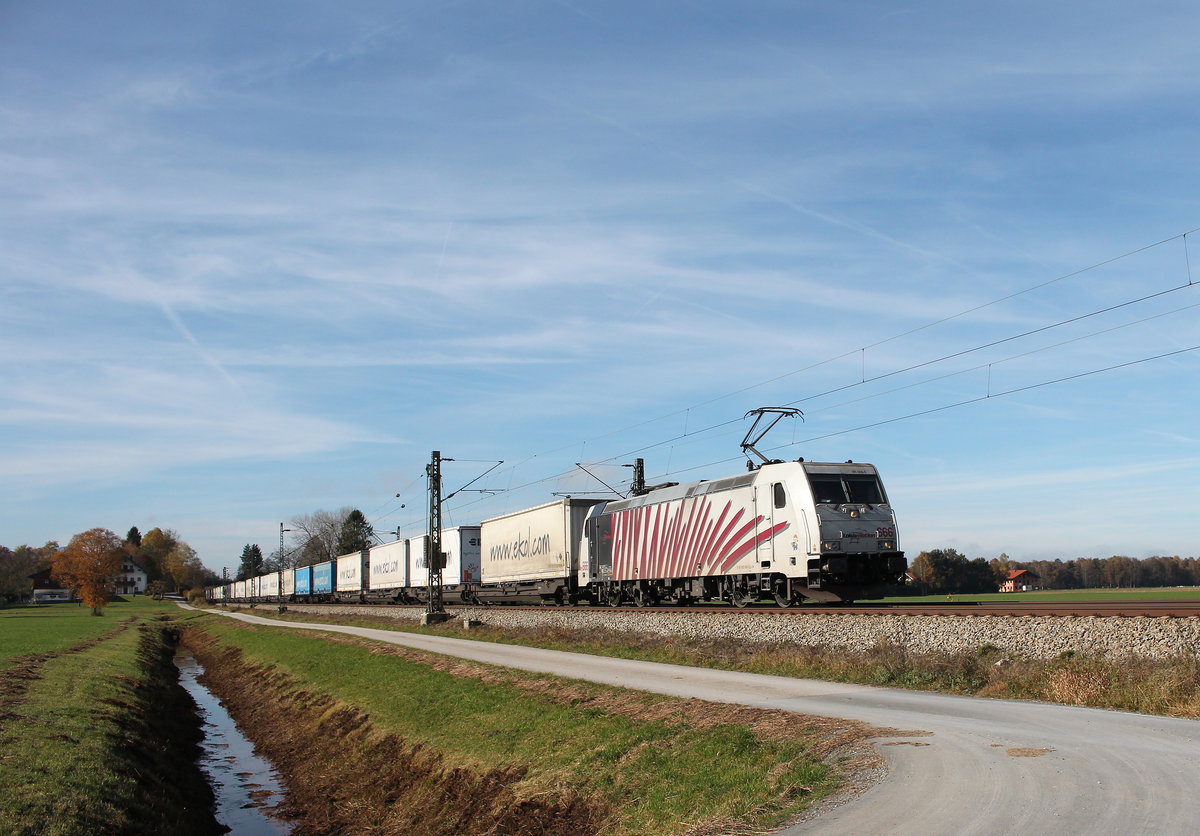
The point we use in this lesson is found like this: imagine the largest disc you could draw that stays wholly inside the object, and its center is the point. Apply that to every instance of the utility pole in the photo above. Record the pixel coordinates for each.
(281, 530)
(435, 558)
(435, 611)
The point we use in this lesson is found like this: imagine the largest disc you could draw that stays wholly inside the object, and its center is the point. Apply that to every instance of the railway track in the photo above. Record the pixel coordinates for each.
(1125, 609)
(1016, 609)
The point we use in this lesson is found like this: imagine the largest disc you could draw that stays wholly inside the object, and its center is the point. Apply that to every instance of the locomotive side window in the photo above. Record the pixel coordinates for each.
(780, 495)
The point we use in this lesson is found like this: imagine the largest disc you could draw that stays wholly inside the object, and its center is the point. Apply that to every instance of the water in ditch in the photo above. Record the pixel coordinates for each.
(245, 784)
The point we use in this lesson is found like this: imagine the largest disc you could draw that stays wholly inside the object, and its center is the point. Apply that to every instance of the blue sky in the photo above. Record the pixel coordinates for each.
(260, 259)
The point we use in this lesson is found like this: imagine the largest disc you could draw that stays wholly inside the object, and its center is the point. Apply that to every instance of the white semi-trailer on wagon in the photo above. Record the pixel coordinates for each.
(350, 582)
(460, 545)
(533, 555)
(388, 571)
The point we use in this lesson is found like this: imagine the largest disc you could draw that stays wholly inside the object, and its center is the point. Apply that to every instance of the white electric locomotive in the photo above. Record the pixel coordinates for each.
(787, 531)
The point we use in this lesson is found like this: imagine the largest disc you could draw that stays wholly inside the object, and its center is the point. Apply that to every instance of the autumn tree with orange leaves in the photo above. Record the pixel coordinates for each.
(89, 564)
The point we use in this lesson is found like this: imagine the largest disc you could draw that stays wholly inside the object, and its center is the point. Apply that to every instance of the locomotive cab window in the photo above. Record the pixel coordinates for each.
(831, 489)
(780, 495)
(827, 490)
(865, 490)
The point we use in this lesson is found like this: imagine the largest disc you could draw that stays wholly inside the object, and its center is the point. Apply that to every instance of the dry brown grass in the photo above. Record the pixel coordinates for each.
(1169, 687)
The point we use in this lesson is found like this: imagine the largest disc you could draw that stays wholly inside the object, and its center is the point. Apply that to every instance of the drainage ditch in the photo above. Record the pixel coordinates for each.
(246, 785)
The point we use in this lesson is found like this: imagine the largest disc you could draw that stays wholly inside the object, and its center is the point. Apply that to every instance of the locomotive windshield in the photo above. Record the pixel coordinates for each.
(834, 489)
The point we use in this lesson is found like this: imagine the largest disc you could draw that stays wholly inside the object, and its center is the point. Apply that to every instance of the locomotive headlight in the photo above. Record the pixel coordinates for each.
(831, 545)
(886, 545)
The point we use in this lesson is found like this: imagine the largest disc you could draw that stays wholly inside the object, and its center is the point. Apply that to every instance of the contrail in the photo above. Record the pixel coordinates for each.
(174, 319)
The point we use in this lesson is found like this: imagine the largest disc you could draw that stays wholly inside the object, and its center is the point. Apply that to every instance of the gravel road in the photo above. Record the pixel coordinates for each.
(988, 766)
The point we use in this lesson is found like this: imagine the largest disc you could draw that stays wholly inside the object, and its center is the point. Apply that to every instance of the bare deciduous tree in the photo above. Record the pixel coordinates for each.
(314, 538)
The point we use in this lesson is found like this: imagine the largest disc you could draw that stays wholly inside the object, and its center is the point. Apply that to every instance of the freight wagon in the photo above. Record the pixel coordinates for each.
(533, 555)
(461, 570)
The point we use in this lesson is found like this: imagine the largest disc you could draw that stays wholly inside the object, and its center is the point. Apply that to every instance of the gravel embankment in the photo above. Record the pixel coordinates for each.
(1036, 637)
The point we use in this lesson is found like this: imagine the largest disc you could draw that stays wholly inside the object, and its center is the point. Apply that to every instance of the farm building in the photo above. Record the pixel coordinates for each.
(1020, 580)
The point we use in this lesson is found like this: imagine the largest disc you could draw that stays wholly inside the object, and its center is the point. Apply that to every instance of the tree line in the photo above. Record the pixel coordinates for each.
(945, 571)
(93, 559)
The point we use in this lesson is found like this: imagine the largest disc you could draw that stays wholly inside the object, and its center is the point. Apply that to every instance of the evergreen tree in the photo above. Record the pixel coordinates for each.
(356, 533)
(252, 562)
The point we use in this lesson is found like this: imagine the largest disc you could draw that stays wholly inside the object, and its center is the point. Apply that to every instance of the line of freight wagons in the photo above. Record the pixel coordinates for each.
(786, 531)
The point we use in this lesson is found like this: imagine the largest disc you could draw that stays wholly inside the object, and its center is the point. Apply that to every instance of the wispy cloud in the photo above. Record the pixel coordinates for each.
(240, 255)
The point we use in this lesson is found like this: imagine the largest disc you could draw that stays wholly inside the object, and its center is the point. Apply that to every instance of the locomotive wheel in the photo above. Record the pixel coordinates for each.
(614, 597)
(783, 598)
(643, 597)
(739, 598)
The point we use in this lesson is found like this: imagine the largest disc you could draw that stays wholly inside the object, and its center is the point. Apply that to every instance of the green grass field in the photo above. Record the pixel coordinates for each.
(79, 749)
(51, 628)
(1165, 593)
